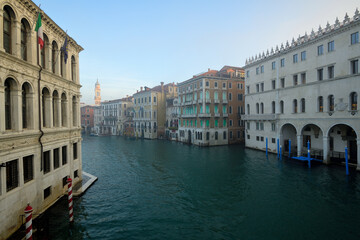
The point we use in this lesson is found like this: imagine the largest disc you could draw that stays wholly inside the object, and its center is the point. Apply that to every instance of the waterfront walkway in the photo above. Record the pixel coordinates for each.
(87, 181)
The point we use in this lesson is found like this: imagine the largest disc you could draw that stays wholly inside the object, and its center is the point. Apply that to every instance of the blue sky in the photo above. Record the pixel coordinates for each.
(133, 43)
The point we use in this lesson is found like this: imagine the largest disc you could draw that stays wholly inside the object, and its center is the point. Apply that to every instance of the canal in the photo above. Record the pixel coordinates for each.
(167, 190)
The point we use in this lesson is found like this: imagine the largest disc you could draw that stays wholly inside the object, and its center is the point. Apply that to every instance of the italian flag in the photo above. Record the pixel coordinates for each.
(39, 31)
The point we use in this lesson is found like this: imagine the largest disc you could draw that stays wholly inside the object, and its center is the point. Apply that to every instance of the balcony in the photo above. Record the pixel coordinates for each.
(208, 100)
(216, 101)
(188, 116)
(204, 115)
(188, 103)
(225, 115)
(264, 117)
(217, 115)
(194, 102)
(224, 101)
(200, 100)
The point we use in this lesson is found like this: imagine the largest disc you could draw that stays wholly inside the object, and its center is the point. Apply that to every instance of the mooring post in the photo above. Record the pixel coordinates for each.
(278, 148)
(308, 155)
(346, 161)
(28, 224)
(289, 148)
(266, 147)
(70, 200)
(280, 152)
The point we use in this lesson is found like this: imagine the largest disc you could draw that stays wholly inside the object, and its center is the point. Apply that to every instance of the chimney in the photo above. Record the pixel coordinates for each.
(208, 69)
(162, 86)
(141, 88)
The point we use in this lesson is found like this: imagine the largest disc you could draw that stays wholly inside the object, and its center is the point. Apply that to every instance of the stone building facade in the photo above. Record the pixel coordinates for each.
(97, 93)
(204, 104)
(40, 139)
(307, 91)
(87, 118)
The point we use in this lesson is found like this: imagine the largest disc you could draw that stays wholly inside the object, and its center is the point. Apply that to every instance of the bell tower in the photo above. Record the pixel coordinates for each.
(97, 93)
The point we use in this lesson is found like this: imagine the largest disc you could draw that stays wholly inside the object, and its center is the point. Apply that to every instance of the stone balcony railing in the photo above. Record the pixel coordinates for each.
(200, 100)
(263, 117)
(217, 115)
(225, 115)
(188, 116)
(216, 101)
(208, 100)
(224, 101)
(204, 115)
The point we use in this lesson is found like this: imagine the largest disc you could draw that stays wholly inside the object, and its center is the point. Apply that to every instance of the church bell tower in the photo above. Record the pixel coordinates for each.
(97, 93)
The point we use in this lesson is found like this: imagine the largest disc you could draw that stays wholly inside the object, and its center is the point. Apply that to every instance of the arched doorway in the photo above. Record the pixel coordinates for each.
(341, 136)
(313, 134)
(288, 138)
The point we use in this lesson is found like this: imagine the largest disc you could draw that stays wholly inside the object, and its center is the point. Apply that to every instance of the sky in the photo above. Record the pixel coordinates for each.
(130, 44)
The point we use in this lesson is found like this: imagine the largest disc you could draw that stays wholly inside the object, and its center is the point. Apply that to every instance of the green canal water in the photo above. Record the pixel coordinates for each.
(167, 190)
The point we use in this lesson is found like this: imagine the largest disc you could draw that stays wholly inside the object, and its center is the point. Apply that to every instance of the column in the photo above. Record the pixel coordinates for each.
(326, 145)
(16, 111)
(299, 144)
(2, 108)
(1, 38)
(49, 112)
(57, 121)
(15, 39)
(30, 110)
(358, 154)
(33, 57)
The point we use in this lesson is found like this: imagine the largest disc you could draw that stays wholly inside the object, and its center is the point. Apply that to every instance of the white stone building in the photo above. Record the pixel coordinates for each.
(40, 139)
(172, 118)
(307, 90)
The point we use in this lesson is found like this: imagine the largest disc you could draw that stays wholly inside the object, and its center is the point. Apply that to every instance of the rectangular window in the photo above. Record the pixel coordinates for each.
(206, 83)
(257, 71)
(248, 89)
(354, 65)
(273, 128)
(282, 82)
(257, 138)
(272, 140)
(230, 86)
(224, 123)
(76, 174)
(247, 73)
(224, 85)
(257, 87)
(46, 159)
(75, 151)
(47, 192)
(64, 155)
(320, 50)
(273, 84)
(238, 134)
(64, 181)
(230, 123)
(56, 159)
(295, 80)
(295, 58)
(331, 72)
(215, 84)
(257, 125)
(354, 38)
(240, 97)
(320, 74)
(248, 136)
(282, 62)
(154, 99)
(262, 86)
(207, 123)
(303, 55)
(262, 68)
(28, 168)
(230, 134)
(248, 125)
(303, 78)
(273, 65)
(12, 175)
(331, 46)
(262, 126)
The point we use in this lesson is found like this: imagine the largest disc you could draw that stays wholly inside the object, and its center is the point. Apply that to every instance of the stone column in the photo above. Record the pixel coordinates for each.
(57, 122)
(1, 38)
(358, 154)
(15, 39)
(2, 109)
(30, 110)
(33, 57)
(57, 63)
(326, 145)
(16, 111)
(299, 144)
(50, 111)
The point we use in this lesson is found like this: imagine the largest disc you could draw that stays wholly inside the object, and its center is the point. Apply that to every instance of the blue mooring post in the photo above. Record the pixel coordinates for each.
(346, 161)
(308, 145)
(266, 147)
(278, 148)
(289, 148)
(280, 153)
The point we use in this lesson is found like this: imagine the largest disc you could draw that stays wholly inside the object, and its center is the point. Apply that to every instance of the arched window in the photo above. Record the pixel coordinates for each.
(26, 106)
(281, 106)
(216, 135)
(273, 107)
(353, 101)
(7, 29)
(331, 102)
(73, 69)
(63, 110)
(8, 104)
(24, 39)
(46, 107)
(44, 51)
(303, 105)
(216, 97)
(262, 108)
(248, 109)
(54, 54)
(320, 104)
(207, 96)
(257, 108)
(295, 106)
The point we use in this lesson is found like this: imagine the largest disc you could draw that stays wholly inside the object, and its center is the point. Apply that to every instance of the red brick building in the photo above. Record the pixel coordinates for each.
(87, 118)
